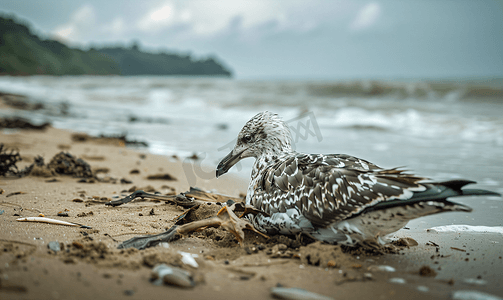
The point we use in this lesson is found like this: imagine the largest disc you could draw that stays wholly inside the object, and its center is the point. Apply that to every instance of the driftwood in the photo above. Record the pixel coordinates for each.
(225, 218)
(188, 199)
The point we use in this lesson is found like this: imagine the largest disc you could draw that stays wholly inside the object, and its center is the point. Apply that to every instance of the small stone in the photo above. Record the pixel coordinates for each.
(77, 245)
(282, 247)
(125, 181)
(331, 264)
(172, 276)
(427, 271)
(69, 260)
(54, 246)
(286, 254)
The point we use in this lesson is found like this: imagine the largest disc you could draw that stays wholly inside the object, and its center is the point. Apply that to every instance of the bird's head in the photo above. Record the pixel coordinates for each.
(264, 134)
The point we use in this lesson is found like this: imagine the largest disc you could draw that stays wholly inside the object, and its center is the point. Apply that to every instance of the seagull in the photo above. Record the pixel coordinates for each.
(334, 198)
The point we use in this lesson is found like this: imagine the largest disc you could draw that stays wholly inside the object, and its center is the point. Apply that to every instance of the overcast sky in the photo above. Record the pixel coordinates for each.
(316, 39)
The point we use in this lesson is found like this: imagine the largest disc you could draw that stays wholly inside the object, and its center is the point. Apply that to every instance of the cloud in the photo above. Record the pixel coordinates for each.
(116, 27)
(366, 17)
(80, 22)
(157, 18)
(203, 18)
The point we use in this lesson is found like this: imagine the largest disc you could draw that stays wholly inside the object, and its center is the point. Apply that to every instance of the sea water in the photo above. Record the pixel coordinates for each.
(438, 129)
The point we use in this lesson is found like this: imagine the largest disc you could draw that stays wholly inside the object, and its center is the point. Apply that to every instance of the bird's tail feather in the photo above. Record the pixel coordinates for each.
(438, 192)
(479, 192)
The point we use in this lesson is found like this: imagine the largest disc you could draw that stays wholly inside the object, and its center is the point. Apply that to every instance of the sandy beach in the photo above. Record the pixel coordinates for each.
(89, 265)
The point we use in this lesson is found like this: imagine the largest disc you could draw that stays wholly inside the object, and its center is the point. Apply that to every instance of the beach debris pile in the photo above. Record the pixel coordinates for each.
(8, 160)
(20, 102)
(67, 164)
(21, 123)
(118, 140)
(61, 164)
(193, 197)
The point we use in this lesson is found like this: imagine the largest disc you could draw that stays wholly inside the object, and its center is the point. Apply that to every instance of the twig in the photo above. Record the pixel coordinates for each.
(106, 234)
(15, 193)
(266, 264)
(434, 244)
(458, 249)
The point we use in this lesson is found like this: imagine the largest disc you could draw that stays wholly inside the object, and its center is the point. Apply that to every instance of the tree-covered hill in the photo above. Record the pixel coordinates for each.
(132, 61)
(24, 53)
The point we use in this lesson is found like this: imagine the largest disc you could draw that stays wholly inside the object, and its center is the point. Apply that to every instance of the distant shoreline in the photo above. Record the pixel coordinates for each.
(24, 53)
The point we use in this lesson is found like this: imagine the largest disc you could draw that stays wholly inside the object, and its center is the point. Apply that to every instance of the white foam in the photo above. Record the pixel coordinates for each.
(473, 295)
(413, 122)
(397, 280)
(466, 228)
(475, 281)
(382, 268)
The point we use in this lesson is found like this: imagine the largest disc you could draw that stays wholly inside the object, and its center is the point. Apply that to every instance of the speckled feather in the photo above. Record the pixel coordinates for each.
(335, 197)
(327, 188)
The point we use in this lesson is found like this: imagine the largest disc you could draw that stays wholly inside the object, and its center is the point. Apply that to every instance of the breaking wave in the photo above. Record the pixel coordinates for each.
(454, 90)
(416, 123)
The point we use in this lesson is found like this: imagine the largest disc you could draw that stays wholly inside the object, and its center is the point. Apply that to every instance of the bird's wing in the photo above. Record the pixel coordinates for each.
(329, 188)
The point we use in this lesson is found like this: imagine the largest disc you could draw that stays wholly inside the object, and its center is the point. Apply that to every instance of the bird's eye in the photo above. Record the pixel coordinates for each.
(247, 138)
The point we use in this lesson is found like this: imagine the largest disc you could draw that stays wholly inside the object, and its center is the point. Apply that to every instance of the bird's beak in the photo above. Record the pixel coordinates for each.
(227, 162)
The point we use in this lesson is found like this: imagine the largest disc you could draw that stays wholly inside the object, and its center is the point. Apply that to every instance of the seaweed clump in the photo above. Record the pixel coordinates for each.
(20, 123)
(67, 164)
(8, 160)
(61, 164)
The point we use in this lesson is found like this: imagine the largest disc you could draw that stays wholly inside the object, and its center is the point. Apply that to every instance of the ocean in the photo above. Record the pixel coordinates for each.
(439, 129)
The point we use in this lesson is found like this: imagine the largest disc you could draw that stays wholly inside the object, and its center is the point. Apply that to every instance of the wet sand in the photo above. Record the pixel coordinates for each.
(91, 267)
